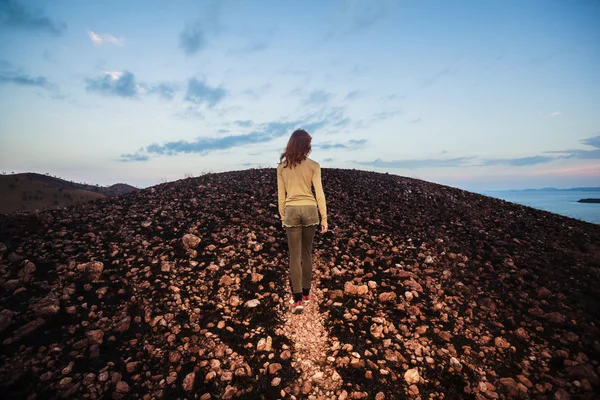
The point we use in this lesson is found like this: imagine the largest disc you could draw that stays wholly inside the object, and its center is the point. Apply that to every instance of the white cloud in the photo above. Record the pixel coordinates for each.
(104, 38)
(114, 75)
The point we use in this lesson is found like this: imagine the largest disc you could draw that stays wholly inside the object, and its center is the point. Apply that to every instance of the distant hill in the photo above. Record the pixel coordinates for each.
(31, 191)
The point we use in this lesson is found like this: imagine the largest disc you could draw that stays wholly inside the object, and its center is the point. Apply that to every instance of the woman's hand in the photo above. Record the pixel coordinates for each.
(323, 228)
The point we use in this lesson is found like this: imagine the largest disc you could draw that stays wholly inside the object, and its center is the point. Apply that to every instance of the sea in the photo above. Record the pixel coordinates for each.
(562, 202)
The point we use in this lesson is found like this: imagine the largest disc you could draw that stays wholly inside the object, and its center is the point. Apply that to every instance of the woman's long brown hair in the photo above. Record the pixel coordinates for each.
(297, 149)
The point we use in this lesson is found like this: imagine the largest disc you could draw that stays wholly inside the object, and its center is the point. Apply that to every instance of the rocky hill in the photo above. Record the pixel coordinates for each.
(31, 191)
(181, 291)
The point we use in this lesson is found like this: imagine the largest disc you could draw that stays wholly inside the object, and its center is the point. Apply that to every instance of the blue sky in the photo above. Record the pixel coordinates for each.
(472, 94)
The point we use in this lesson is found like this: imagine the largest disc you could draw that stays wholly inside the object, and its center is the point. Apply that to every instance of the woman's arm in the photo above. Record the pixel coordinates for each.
(280, 194)
(316, 181)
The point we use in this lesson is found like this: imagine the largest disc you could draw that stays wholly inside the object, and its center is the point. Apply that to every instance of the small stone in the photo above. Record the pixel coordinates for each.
(412, 376)
(122, 387)
(191, 241)
(276, 381)
(274, 368)
(454, 363)
(252, 303)
(501, 343)
(188, 381)
(306, 387)
(96, 336)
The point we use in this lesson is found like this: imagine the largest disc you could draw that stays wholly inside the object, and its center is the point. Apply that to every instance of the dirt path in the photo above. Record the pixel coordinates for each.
(318, 378)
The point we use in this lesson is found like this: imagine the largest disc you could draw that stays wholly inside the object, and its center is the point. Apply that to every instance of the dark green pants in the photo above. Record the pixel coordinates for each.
(300, 225)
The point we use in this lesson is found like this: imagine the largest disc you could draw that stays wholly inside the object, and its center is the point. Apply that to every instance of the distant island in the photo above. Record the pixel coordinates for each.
(589, 201)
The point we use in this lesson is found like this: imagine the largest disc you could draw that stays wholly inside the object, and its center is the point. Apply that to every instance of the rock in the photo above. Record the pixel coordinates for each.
(556, 317)
(230, 391)
(525, 381)
(276, 381)
(343, 395)
(387, 296)
(6, 317)
(274, 368)
(92, 270)
(354, 290)
(188, 381)
(376, 331)
(306, 387)
(95, 336)
(122, 387)
(482, 387)
(11, 284)
(123, 324)
(411, 376)
(234, 301)
(132, 366)
(225, 280)
(256, 277)
(174, 357)
(408, 295)
(25, 330)
(46, 307)
(561, 394)
(264, 344)
(501, 343)
(510, 386)
(252, 303)
(454, 363)
(190, 241)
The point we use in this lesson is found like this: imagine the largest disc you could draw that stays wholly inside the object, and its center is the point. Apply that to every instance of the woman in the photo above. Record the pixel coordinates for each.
(298, 210)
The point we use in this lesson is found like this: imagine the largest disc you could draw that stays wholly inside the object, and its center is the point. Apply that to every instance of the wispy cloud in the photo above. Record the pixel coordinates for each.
(262, 133)
(194, 37)
(357, 16)
(554, 114)
(17, 16)
(165, 90)
(24, 80)
(104, 38)
(443, 73)
(329, 159)
(318, 97)
(125, 84)
(593, 141)
(244, 123)
(349, 145)
(133, 157)
(355, 94)
(198, 92)
(582, 154)
(14, 76)
(418, 163)
(518, 162)
(120, 84)
(414, 121)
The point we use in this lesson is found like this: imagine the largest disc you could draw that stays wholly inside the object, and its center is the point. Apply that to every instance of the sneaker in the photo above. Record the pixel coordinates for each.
(297, 308)
(306, 299)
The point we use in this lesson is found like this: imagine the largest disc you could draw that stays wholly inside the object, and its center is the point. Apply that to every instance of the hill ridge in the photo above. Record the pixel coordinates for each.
(427, 289)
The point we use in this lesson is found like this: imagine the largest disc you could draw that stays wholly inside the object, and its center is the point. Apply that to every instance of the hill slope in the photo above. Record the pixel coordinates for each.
(31, 191)
(181, 290)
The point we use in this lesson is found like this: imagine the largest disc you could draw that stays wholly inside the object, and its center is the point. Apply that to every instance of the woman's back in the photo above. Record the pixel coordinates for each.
(295, 186)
